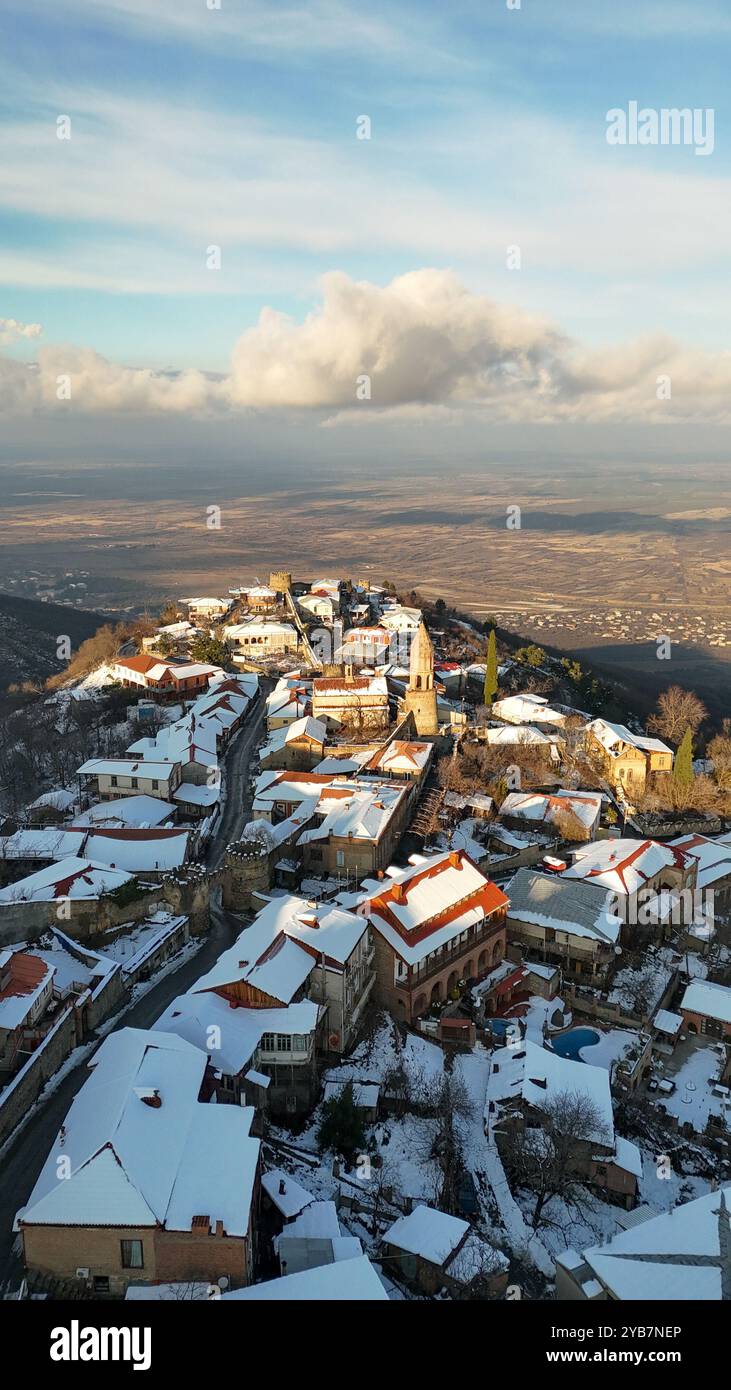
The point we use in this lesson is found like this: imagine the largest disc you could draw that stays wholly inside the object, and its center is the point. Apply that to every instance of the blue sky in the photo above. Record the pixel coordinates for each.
(236, 127)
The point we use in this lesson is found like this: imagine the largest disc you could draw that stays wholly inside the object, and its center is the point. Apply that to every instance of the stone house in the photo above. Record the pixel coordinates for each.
(435, 925)
(355, 827)
(564, 922)
(431, 1250)
(157, 1185)
(629, 760)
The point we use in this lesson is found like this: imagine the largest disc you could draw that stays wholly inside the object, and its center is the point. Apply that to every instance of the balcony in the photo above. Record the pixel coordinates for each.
(451, 959)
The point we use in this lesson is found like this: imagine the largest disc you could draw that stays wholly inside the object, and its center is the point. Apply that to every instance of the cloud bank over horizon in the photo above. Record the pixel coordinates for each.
(423, 344)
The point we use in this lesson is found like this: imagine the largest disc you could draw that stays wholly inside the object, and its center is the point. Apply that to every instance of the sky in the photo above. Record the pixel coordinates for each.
(214, 236)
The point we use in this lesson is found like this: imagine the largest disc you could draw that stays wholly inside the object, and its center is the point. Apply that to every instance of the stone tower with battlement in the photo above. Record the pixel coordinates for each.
(280, 581)
(421, 697)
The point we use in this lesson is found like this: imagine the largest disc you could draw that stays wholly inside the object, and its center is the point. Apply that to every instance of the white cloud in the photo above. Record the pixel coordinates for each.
(12, 329)
(430, 347)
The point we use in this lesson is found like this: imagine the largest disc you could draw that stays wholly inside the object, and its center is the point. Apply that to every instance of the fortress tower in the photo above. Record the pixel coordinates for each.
(421, 697)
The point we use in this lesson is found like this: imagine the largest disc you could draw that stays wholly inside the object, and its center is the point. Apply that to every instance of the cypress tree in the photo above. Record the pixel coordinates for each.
(683, 763)
(491, 684)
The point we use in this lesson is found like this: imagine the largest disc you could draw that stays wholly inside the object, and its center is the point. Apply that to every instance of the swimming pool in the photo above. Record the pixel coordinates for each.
(569, 1044)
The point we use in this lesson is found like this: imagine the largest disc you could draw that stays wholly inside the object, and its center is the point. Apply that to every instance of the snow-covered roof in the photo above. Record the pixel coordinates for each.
(447, 1242)
(126, 767)
(136, 812)
(713, 858)
(70, 878)
(357, 809)
(42, 844)
(400, 756)
(558, 903)
(255, 628)
(292, 788)
(667, 1022)
(538, 1076)
(239, 1031)
(681, 1255)
(433, 1235)
(139, 851)
(24, 976)
(197, 794)
(515, 734)
(550, 807)
(60, 799)
(627, 1156)
(345, 1281)
(287, 1195)
(326, 687)
(421, 908)
(623, 866)
(713, 1001)
(284, 943)
(305, 728)
(613, 737)
(527, 709)
(143, 1150)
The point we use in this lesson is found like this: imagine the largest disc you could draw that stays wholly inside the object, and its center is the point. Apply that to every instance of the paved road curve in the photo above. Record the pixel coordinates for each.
(23, 1159)
(238, 802)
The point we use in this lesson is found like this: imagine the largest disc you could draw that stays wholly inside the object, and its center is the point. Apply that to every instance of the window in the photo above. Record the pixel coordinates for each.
(268, 1043)
(134, 781)
(299, 1043)
(101, 1283)
(340, 858)
(155, 784)
(131, 1254)
(114, 782)
(284, 1042)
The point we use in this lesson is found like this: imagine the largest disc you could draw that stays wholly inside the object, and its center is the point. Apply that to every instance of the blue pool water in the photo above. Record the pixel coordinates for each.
(568, 1044)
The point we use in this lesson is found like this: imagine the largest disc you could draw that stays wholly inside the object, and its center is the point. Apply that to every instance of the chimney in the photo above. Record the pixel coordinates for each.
(282, 1187)
(152, 1098)
(398, 893)
(454, 859)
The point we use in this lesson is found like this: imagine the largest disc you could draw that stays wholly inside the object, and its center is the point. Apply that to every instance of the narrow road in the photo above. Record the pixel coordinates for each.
(237, 804)
(23, 1159)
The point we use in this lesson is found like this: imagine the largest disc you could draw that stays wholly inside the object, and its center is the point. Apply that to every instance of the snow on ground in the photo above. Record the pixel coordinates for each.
(596, 1222)
(612, 1045)
(660, 1193)
(483, 1161)
(639, 988)
(374, 1057)
(538, 1017)
(693, 1099)
(523, 1239)
(128, 940)
(87, 688)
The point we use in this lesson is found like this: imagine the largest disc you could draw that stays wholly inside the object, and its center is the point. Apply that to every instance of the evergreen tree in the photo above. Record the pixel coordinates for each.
(341, 1127)
(491, 682)
(683, 764)
(211, 651)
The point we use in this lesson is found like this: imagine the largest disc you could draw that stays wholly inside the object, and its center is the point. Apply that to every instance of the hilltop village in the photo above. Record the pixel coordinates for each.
(379, 956)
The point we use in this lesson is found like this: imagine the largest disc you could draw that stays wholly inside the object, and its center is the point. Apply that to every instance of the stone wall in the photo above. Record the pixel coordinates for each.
(20, 1093)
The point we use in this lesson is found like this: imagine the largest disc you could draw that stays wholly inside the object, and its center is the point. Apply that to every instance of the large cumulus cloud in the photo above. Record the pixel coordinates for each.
(425, 343)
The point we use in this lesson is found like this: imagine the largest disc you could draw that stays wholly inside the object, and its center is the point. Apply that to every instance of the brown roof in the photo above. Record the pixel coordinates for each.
(26, 973)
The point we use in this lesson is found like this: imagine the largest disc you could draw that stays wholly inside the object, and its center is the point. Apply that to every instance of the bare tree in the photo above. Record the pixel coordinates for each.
(677, 710)
(550, 1159)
